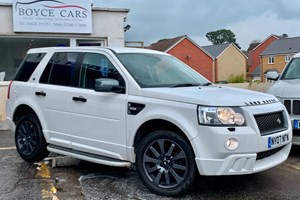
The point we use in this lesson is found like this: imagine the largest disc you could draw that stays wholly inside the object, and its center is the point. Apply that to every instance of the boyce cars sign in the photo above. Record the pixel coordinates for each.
(52, 16)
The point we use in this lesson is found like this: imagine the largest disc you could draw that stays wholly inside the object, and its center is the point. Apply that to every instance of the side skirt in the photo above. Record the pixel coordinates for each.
(88, 156)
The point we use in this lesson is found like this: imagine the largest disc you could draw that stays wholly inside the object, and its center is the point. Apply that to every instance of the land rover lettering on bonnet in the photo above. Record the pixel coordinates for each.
(126, 106)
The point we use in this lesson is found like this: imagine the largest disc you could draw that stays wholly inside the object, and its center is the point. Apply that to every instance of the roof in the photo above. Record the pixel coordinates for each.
(275, 36)
(216, 50)
(270, 70)
(283, 46)
(256, 72)
(165, 44)
(253, 46)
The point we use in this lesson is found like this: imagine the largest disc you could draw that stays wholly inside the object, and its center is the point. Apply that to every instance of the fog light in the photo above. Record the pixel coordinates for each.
(232, 144)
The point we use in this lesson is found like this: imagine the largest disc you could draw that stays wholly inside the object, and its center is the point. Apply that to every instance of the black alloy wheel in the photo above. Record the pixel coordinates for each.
(165, 163)
(29, 139)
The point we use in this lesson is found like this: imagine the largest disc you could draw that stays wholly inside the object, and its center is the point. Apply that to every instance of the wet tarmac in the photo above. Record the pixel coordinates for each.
(84, 180)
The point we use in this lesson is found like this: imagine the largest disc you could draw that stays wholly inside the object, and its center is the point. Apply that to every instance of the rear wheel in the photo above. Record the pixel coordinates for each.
(29, 139)
(165, 163)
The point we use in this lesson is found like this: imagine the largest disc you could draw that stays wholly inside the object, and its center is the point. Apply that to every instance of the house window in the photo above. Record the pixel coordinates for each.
(271, 60)
(287, 58)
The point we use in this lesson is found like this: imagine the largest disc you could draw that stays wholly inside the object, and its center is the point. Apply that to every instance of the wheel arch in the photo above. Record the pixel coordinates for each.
(21, 110)
(156, 124)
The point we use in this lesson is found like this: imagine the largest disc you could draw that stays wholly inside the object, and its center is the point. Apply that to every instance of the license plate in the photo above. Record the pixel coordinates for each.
(296, 124)
(277, 140)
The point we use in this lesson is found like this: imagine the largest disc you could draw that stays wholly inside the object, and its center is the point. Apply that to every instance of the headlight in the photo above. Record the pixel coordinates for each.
(220, 116)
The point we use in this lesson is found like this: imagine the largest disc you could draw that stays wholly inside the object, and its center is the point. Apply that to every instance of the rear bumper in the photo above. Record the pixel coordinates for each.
(10, 124)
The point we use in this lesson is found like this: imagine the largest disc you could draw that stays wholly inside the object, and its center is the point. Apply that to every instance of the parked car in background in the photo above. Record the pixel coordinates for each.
(287, 90)
(123, 106)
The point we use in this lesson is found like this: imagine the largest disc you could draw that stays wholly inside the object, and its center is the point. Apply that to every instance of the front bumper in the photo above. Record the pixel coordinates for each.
(254, 152)
(236, 164)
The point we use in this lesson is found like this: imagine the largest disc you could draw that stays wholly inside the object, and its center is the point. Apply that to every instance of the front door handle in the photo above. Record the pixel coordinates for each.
(80, 99)
(41, 94)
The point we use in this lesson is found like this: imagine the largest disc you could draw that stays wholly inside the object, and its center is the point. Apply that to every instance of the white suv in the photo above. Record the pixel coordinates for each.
(122, 106)
(287, 89)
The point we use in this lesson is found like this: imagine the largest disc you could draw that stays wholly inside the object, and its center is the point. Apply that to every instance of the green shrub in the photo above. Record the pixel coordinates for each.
(236, 79)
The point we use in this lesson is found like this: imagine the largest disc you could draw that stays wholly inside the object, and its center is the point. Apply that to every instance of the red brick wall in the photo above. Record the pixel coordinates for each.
(255, 54)
(191, 55)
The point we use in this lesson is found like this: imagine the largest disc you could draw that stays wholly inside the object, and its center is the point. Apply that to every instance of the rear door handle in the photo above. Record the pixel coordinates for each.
(41, 94)
(80, 99)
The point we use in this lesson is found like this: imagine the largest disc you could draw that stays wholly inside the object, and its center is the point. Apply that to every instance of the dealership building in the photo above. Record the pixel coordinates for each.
(26, 24)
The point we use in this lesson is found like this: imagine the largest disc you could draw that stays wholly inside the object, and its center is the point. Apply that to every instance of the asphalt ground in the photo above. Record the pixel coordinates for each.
(63, 178)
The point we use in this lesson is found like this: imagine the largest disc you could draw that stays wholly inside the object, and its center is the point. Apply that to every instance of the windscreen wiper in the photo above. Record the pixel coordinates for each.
(206, 84)
(186, 85)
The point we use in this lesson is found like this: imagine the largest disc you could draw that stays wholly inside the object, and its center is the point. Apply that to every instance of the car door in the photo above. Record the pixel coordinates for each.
(53, 97)
(98, 118)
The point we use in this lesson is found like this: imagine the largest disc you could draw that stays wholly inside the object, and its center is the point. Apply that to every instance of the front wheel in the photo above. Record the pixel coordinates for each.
(29, 139)
(165, 163)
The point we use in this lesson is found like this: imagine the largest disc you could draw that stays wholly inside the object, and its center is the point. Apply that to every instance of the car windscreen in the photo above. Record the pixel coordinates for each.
(292, 71)
(157, 70)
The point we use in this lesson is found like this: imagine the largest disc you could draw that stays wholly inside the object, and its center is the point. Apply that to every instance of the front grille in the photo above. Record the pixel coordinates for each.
(270, 123)
(265, 154)
(292, 106)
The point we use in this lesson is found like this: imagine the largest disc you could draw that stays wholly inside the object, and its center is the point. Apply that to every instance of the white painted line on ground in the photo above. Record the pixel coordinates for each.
(7, 148)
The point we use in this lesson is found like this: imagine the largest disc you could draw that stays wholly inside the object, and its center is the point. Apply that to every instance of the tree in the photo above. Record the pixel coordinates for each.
(222, 36)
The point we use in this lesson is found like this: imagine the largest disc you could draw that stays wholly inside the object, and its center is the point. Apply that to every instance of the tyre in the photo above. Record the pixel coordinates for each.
(30, 142)
(165, 163)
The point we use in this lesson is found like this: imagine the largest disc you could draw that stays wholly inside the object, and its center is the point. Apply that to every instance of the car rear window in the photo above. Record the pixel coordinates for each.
(28, 66)
(60, 70)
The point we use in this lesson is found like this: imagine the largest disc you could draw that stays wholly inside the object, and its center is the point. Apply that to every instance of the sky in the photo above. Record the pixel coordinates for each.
(152, 20)
(249, 20)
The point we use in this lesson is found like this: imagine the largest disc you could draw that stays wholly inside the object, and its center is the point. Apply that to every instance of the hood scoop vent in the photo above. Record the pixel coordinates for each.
(254, 103)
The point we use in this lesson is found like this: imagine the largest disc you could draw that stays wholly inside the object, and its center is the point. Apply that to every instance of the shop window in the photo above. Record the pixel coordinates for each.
(97, 43)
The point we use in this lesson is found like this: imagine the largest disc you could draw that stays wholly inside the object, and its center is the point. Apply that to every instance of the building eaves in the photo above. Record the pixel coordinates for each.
(283, 46)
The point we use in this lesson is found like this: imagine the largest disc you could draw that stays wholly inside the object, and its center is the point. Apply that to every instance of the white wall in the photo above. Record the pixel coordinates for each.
(3, 94)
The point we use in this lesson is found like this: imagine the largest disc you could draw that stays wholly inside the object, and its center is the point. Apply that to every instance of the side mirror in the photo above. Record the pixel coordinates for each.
(272, 75)
(108, 85)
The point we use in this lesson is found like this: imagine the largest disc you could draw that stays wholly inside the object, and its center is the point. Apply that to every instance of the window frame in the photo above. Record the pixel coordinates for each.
(73, 75)
(80, 67)
(287, 58)
(271, 60)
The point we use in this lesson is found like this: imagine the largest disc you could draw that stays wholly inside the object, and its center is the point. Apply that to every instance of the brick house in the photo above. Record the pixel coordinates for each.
(277, 55)
(186, 50)
(229, 60)
(254, 51)
(215, 62)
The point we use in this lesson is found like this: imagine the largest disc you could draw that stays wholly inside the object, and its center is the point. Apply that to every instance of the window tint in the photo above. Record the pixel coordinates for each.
(96, 66)
(60, 70)
(28, 66)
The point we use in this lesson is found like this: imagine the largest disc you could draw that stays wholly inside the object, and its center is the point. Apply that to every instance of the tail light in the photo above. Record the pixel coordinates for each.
(8, 91)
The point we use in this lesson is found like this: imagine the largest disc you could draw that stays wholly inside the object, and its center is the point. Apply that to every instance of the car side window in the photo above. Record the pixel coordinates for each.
(60, 70)
(96, 66)
(28, 66)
